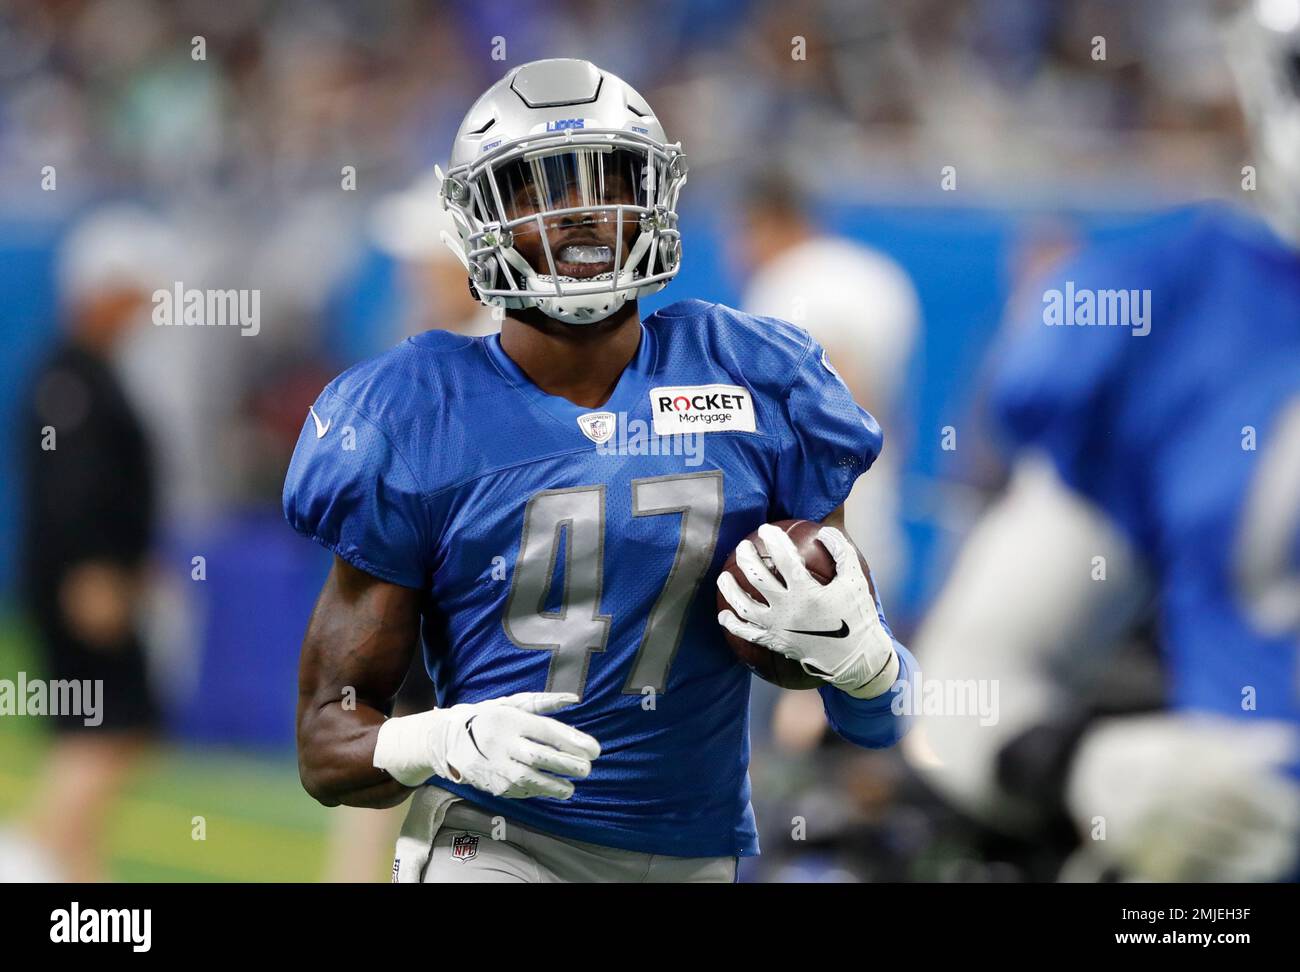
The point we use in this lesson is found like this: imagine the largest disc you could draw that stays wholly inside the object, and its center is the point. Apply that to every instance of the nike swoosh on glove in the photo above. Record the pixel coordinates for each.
(832, 630)
(1188, 797)
(507, 747)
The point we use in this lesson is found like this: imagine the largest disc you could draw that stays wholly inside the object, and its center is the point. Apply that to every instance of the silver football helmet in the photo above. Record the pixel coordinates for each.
(563, 190)
(1264, 53)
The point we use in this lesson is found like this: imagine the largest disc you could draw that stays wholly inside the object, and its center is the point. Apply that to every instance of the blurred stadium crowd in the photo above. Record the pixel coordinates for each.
(285, 147)
(1009, 87)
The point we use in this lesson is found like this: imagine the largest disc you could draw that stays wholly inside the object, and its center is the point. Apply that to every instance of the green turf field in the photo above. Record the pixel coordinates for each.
(260, 824)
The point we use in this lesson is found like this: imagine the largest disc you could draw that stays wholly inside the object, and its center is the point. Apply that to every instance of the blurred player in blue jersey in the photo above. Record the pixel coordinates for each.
(546, 510)
(1154, 398)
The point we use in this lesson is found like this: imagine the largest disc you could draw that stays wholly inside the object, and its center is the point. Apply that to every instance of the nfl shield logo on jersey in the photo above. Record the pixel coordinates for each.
(597, 426)
(464, 847)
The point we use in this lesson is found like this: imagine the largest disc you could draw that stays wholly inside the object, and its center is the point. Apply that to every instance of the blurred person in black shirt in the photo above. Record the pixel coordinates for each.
(88, 516)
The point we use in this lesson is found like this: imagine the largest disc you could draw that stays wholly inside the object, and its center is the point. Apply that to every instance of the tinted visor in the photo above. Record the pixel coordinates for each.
(568, 178)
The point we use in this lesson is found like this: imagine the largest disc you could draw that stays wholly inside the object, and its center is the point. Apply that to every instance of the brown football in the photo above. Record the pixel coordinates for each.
(768, 665)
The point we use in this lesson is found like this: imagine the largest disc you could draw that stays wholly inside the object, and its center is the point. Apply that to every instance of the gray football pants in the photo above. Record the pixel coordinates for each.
(448, 840)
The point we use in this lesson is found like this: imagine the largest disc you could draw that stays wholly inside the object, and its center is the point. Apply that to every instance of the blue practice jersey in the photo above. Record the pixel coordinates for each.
(574, 549)
(1188, 436)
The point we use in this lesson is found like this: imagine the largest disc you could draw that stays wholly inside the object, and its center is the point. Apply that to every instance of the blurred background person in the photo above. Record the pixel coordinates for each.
(405, 280)
(89, 517)
(430, 292)
(1158, 468)
(861, 306)
(408, 226)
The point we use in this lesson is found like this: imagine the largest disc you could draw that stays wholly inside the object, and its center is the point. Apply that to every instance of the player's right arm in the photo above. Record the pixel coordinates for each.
(353, 490)
(356, 652)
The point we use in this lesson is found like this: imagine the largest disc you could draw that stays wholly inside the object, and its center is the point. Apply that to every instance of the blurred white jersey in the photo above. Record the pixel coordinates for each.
(861, 306)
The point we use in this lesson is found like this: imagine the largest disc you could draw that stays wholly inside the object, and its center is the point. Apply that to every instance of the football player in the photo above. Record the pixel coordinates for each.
(1160, 462)
(544, 510)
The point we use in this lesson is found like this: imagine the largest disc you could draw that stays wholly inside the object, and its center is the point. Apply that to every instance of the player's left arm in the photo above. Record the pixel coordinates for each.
(862, 717)
(835, 631)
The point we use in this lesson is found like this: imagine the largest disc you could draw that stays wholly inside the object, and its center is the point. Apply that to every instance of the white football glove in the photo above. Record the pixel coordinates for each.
(832, 630)
(506, 747)
(1188, 797)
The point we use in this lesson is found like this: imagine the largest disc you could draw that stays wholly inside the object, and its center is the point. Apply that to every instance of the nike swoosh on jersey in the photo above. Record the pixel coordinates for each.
(320, 429)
